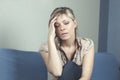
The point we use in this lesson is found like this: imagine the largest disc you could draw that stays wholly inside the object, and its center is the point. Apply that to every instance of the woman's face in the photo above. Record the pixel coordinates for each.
(65, 27)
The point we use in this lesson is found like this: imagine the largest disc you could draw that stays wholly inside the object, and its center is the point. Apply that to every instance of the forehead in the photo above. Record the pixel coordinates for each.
(63, 17)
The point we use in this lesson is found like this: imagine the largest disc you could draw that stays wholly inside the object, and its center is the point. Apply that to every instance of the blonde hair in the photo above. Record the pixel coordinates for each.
(62, 10)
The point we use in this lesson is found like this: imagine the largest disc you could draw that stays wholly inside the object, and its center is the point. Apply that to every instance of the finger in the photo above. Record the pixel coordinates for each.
(55, 18)
(53, 22)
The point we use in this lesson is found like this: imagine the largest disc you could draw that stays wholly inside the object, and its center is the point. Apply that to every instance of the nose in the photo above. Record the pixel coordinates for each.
(62, 28)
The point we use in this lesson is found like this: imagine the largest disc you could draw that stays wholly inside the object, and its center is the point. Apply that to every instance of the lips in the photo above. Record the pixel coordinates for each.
(63, 34)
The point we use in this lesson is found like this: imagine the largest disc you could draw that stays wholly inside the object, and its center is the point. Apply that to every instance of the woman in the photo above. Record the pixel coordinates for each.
(67, 56)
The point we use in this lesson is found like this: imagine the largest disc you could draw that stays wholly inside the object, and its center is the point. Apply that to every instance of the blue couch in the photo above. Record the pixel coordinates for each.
(106, 67)
(28, 65)
(21, 65)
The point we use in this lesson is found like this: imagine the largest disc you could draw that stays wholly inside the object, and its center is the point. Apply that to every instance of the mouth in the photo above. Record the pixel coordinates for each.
(63, 34)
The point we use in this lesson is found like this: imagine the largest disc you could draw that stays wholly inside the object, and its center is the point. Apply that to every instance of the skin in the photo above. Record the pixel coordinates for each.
(64, 27)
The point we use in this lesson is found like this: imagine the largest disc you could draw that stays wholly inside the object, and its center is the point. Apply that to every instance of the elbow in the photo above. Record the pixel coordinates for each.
(56, 73)
(84, 78)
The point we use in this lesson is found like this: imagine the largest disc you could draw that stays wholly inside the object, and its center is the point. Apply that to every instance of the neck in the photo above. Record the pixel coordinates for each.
(68, 43)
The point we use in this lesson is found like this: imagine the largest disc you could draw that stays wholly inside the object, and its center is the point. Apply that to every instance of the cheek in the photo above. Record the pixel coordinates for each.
(72, 29)
(57, 31)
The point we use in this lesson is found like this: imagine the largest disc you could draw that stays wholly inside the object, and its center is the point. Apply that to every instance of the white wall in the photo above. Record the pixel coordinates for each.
(23, 23)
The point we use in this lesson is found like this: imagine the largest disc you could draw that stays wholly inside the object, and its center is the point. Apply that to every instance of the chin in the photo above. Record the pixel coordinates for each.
(64, 38)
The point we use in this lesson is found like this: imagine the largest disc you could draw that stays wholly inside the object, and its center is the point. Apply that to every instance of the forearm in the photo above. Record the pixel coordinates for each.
(54, 63)
(83, 78)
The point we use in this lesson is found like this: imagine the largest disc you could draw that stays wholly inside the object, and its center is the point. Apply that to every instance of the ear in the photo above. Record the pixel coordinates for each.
(76, 24)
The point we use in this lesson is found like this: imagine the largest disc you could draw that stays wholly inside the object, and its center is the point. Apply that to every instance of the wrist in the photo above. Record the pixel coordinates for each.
(51, 38)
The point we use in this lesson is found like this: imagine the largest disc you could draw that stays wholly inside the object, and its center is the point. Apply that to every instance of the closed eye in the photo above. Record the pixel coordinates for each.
(56, 24)
(66, 22)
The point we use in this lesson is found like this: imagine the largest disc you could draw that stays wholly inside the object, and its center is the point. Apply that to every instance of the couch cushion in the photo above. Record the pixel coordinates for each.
(21, 65)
